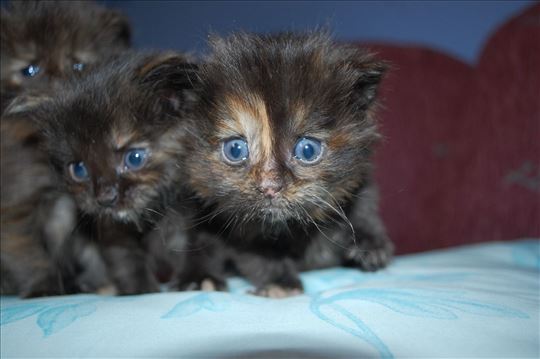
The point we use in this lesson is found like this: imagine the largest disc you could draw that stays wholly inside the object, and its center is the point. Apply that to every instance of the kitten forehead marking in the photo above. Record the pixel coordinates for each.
(300, 115)
(250, 118)
(121, 137)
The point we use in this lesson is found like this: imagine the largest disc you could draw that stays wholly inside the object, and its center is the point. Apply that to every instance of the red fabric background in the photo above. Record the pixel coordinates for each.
(460, 162)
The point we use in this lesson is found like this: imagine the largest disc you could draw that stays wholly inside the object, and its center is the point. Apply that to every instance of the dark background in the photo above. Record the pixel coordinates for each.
(458, 28)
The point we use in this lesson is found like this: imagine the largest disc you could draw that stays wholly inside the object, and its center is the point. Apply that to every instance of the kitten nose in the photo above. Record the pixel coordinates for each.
(107, 197)
(270, 187)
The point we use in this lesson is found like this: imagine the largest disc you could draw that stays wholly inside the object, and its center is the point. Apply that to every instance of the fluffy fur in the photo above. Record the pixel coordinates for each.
(37, 218)
(135, 102)
(55, 35)
(272, 214)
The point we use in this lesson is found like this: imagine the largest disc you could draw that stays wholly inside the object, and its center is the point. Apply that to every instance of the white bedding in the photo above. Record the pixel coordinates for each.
(475, 301)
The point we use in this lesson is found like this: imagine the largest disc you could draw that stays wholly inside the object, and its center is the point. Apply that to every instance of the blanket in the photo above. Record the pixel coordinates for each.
(474, 301)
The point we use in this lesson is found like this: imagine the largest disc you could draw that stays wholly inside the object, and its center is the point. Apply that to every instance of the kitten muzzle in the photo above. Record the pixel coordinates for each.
(270, 187)
(107, 197)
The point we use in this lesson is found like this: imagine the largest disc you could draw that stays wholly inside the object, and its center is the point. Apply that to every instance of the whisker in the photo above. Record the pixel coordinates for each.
(341, 212)
(228, 222)
(206, 218)
(154, 211)
(190, 249)
(317, 226)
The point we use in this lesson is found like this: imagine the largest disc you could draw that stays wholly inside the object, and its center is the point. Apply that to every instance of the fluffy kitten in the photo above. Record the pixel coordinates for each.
(45, 41)
(113, 138)
(281, 159)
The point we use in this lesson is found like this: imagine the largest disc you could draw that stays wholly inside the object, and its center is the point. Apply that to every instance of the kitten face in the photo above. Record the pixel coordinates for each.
(112, 136)
(121, 173)
(43, 41)
(285, 127)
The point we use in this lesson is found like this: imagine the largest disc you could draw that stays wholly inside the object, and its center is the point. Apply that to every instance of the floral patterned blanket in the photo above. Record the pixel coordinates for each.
(474, 301)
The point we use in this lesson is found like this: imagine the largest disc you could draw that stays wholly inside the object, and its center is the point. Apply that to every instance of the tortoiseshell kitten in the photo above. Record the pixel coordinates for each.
(113, 138)
(44, 42)
(281, 158)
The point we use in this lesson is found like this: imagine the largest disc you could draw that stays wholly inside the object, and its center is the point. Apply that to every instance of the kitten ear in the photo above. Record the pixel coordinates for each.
(26, 102)
(367, 73)
(171, 76)
(115, 23)
(6, 27)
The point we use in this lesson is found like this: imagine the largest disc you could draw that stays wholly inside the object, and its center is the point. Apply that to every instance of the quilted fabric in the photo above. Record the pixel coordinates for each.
(476, 301)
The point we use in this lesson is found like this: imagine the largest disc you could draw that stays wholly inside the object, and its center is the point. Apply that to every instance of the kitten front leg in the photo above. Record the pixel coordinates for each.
(196, 275)
(28, 271)
(188, 259)
(201, 264)
(372, 249)
(272, 277)
(128, 270)
(370, 253)
(45, 285)
(365, 250)
(127, 264)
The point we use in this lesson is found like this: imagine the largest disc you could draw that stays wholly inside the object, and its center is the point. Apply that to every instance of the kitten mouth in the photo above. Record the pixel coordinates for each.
(117, 213)
(271, 210)
(272, 205)
(274, 210)
(122, 214)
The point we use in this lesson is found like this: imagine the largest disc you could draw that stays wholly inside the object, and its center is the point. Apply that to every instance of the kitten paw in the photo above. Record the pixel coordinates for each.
(276, 291)
(207, 284)
(44, 287)
(370, 257)
(107, 290)
(141, 287)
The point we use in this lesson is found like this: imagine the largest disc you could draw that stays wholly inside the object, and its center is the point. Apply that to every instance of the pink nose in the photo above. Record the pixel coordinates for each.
(270, 187)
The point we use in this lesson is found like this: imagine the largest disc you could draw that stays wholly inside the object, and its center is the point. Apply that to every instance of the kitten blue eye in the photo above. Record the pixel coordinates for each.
(30, 71)
(308, 150)
(78, 66)
(78, 172)
(235, 150)
(135, 158)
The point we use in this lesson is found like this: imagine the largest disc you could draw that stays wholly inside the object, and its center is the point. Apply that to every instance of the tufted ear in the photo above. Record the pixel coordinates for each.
(367, 73)
(25, 102)
(116, 24)
(171, 76)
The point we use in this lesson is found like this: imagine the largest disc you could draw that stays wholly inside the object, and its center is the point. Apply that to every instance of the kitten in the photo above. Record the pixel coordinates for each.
(112, 138)
(281, 159)
(37, 221)
(44, 42)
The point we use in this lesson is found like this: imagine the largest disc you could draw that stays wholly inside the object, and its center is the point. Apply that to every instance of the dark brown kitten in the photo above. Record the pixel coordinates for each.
(113, 138)
(37, 219)
(46, 41)
(281, 158)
